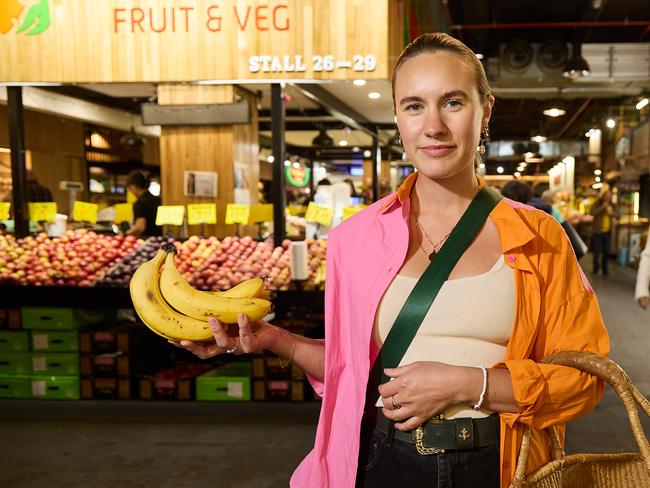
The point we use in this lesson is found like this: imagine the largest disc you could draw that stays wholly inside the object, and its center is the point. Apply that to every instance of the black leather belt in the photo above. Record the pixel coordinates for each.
(438, 435)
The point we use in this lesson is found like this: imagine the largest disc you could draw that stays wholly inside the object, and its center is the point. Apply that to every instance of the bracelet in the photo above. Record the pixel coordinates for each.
(482, 397)
(293, 349)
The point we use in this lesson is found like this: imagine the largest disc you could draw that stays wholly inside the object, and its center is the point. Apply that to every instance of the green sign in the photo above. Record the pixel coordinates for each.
(298, 176)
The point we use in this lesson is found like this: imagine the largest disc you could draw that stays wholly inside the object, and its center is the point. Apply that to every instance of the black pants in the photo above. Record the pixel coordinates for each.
(385, 463)
(600, 246)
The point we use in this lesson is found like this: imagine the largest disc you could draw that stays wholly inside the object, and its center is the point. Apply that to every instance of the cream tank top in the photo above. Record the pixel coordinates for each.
(469, 323)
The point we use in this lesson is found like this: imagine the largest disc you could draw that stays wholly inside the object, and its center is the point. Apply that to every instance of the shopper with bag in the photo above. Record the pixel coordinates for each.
(440, 300)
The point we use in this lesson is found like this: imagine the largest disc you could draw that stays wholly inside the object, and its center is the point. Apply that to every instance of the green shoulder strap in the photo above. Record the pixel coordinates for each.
(426, 289)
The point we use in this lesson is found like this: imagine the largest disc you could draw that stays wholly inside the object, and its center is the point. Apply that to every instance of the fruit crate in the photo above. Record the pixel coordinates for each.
(175, 383)
(230, 382)
(13, 363)
(15, 386)
(116, 365)
(106, 388)
(279, 390)
(55, 340)
(48, 387)
(55, 363)
(14, 341)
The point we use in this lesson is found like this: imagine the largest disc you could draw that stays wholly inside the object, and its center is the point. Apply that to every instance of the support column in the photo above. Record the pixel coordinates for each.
(279, 155)
(18, 170)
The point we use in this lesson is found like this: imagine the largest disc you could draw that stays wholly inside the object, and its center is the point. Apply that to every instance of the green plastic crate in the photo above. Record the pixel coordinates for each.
(230, 382)
(14, 386)
(55, 363)
(54, 387)
(14, 341)
(61, 318)
(13, 363)
(55, 340)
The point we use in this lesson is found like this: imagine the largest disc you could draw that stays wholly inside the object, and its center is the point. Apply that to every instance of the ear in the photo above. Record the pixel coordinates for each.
(487, 109)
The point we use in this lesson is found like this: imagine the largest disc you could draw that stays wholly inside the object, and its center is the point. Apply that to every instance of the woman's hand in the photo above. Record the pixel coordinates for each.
(643, 302)
(424, 389)
(248, 337)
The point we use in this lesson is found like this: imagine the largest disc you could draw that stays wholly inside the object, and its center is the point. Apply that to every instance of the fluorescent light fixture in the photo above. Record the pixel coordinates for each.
(359, 82)
(500, 170)
(374, 95)
(539, 139)
(343, 142)
(642, 103)
(270, 159)
(611, 123)
(597, 172)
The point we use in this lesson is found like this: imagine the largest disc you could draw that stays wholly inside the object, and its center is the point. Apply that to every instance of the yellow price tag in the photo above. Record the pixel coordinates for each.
(170, 215)
(84, 212)
(42, 211)
(237, 214)
(261, 213)
(123, 212)
(319, 214)
(202, 213)
(4, 210)
(350, 210)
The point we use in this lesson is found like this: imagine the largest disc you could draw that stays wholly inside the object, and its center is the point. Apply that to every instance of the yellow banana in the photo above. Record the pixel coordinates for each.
(156, 313)
(265, 294)
(252, 288)
(201, 305)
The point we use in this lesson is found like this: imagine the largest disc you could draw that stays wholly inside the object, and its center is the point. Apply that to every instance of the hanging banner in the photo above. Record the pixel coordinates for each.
(201, 213)
(84, 212)
(164, 40)
(170, 215)
(42, 211)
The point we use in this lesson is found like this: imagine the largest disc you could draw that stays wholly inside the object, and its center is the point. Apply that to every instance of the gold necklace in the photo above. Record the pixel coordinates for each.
(436, 245)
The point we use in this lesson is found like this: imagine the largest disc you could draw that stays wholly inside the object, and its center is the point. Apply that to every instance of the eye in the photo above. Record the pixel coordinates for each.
(412, 107)
(454, 103)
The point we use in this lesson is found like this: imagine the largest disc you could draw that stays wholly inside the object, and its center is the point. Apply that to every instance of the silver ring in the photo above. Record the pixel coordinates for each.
(396, 406)
(233, 348)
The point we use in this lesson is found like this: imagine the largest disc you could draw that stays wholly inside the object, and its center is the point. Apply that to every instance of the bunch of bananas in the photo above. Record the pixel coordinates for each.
(172, 308)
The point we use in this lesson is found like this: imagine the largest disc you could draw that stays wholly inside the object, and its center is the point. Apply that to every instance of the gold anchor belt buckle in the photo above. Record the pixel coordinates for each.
(418, 439)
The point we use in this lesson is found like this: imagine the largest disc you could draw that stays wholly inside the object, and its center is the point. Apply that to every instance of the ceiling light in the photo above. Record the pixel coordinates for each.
(356, 149)
(596, 186)
(517, 174)
(500, 169)
(642, 103)
(287, 163)
(597, 179)
(598, 172)
(323, 139)
(359, 82)
(611, 123)
(367, 153)
(343, 142)
(554, 108)
(539, 139)
(534, 158)
(554, 112)
(270, 159)
(374, 95)
(577, 66)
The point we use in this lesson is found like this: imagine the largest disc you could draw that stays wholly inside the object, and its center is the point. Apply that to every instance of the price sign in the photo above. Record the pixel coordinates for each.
(84, 212)
(202, 213)
(42, 211)
(123, 212)
(4, 210)
(170, 215)
(237, 214)
(319, 214)
(350, 210)
(261, 213)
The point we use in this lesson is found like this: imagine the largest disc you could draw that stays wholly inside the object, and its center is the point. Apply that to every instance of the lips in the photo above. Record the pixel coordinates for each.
(437, 150)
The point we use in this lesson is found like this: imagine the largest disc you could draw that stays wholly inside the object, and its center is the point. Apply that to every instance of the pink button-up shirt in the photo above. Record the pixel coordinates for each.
(365, 253)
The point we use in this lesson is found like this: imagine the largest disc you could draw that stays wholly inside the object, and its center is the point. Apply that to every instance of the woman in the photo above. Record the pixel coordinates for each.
(519, 261)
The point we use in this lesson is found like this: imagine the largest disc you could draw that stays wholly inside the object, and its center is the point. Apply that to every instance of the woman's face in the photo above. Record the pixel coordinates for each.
(439, 113)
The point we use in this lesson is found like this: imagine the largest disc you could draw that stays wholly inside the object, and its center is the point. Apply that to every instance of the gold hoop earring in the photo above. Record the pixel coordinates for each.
(485, 134)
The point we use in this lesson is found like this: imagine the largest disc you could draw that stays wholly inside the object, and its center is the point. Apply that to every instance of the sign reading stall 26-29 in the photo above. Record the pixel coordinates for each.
(86, 41)
(29, 17)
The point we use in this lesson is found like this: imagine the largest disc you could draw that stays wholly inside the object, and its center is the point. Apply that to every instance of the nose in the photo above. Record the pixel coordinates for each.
(434, 125)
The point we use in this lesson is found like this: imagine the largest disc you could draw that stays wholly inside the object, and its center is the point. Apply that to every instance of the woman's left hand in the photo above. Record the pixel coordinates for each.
(424, 389)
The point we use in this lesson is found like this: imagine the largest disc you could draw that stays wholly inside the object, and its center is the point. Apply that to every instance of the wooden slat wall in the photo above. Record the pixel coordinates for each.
(85, 44)
(206, 148)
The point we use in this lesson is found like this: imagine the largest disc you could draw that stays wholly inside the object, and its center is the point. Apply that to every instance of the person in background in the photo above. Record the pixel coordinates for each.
(353, 190)
(549, 197)
(517, 190)
(35, 191)
(601, 237)
(538, 201)
(145, 207)
(641, 294)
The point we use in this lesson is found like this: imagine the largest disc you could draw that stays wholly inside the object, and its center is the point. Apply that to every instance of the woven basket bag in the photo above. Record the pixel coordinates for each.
(591, 470)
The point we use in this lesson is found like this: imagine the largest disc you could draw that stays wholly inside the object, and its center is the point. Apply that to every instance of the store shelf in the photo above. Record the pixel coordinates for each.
(111, 297)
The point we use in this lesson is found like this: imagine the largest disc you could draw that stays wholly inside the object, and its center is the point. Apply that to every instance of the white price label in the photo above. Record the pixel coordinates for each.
(38, 388)
(235, 389)
(40, 341)
(39, 364)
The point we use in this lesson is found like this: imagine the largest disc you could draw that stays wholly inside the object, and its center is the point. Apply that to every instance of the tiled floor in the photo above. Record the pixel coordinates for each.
(137, 444)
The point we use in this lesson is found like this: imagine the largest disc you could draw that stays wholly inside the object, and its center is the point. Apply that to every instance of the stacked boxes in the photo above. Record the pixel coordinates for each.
(15, 364)
(272, 382)
(175, 383)
(230, 382)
